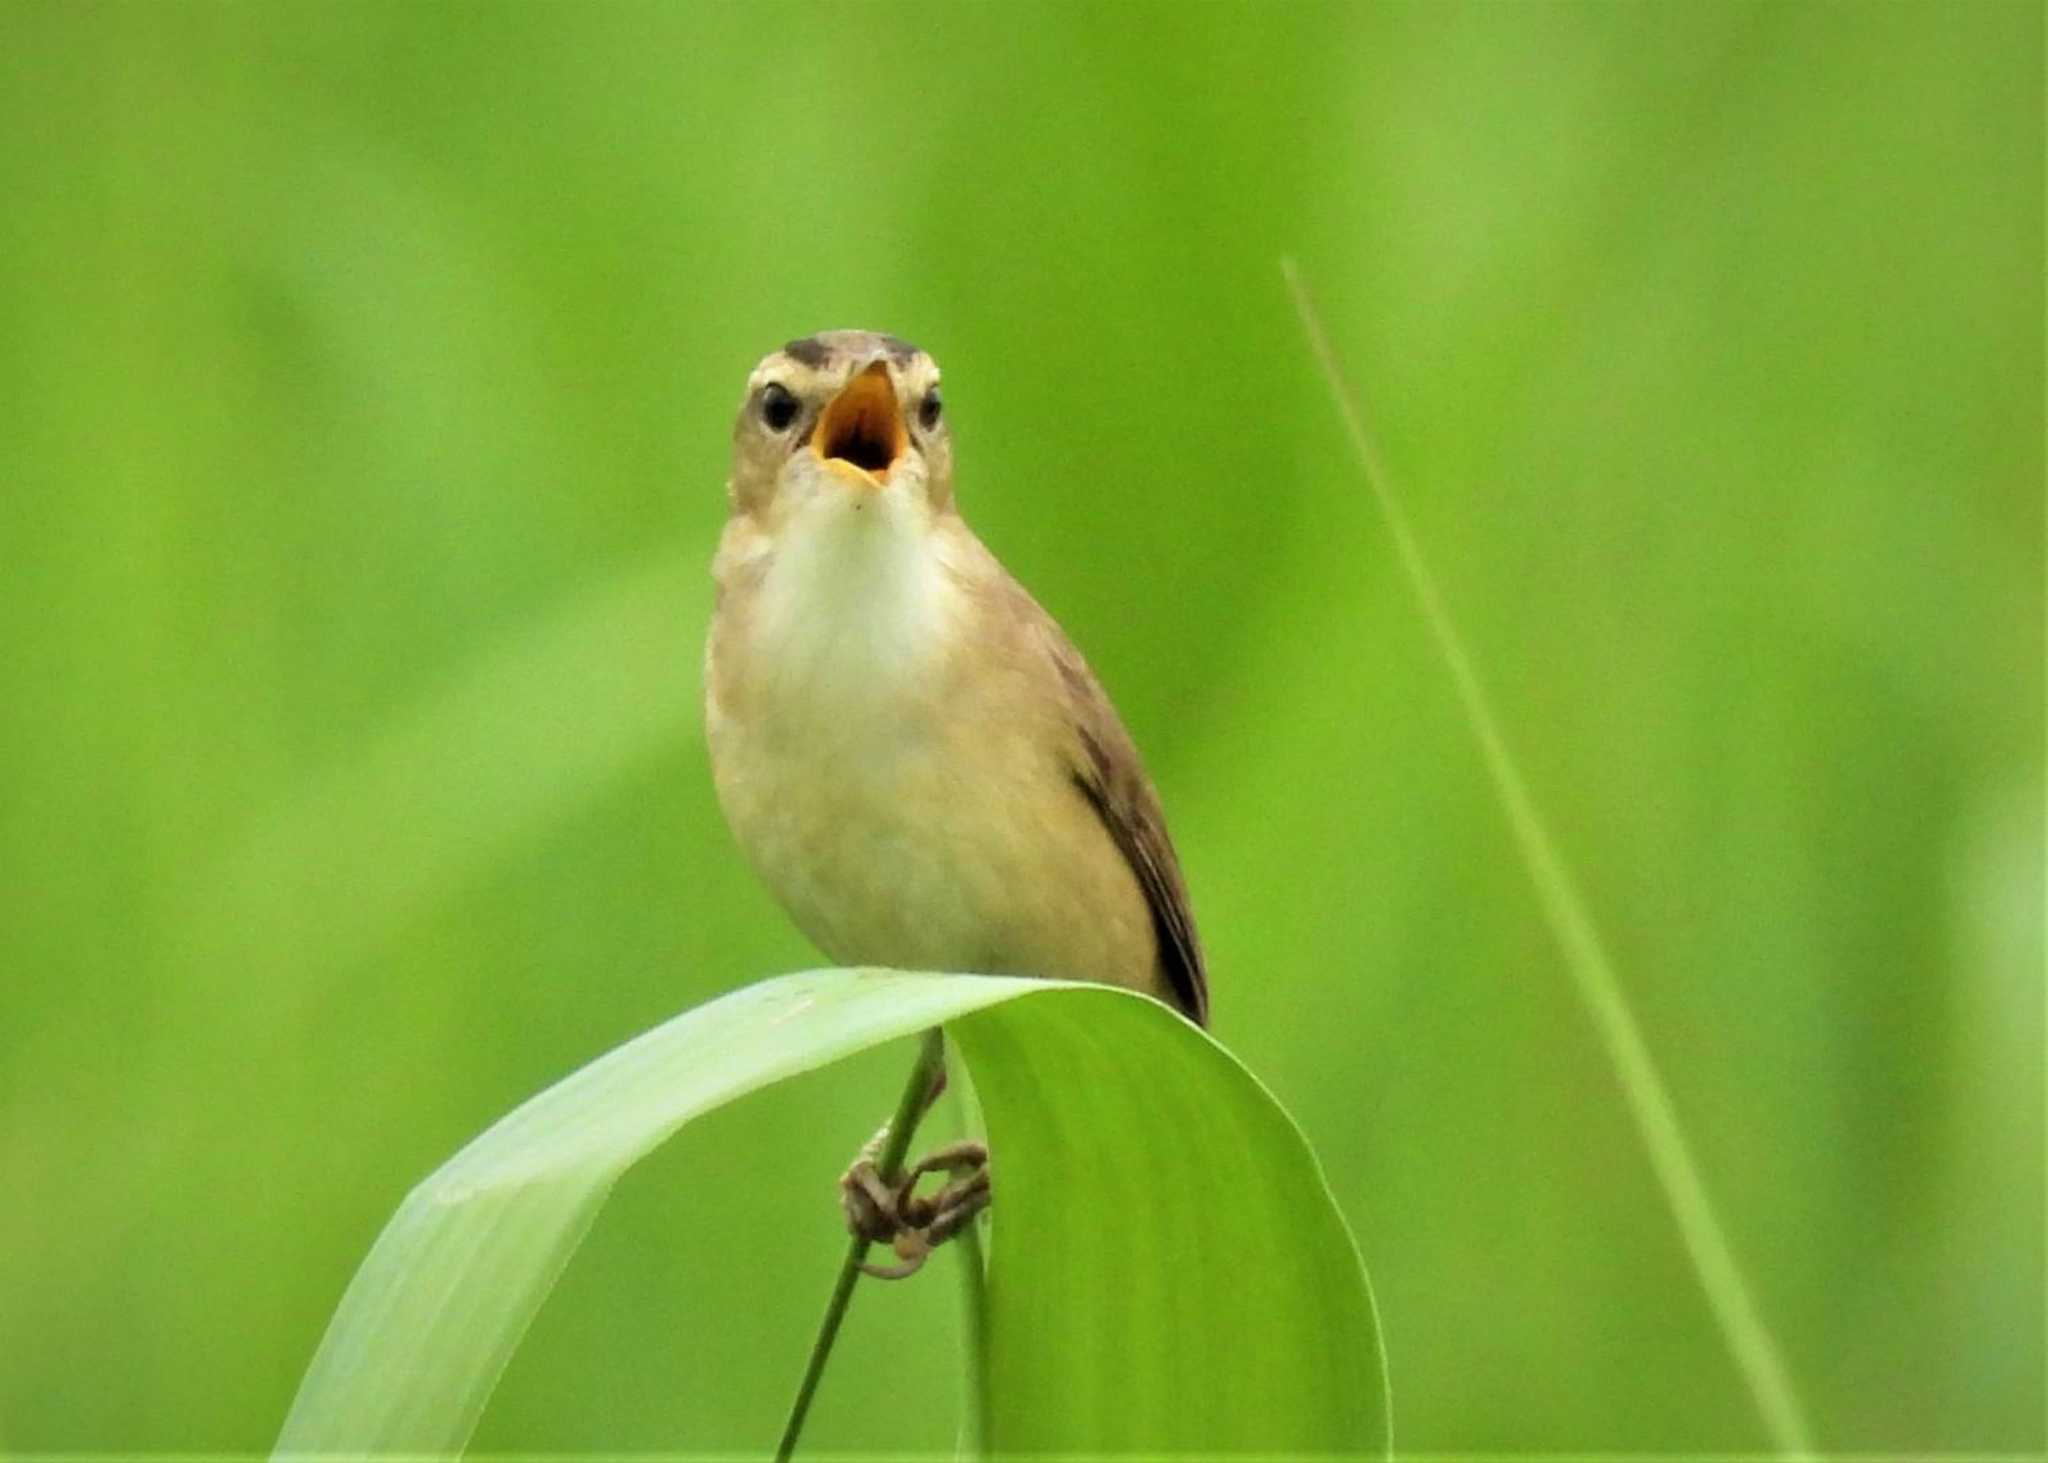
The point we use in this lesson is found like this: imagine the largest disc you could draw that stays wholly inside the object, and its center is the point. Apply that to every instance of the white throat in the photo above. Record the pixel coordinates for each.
(855, 608)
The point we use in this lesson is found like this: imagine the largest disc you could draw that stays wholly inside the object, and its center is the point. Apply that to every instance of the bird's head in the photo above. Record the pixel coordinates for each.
(846, 420)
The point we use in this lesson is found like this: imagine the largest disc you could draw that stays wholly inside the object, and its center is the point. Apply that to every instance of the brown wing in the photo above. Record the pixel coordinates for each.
(1111, 777)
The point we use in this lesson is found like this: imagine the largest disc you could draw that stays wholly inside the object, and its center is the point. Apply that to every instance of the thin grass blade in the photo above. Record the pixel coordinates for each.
(1755, 1351)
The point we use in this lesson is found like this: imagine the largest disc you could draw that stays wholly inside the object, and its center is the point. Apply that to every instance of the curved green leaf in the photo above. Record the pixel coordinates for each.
(1168, 1269)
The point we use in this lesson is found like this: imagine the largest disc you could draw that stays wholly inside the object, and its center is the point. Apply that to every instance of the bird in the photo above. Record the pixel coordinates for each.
(912, 755)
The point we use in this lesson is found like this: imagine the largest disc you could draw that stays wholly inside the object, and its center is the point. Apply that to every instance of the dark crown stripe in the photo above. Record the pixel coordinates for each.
(810, 351)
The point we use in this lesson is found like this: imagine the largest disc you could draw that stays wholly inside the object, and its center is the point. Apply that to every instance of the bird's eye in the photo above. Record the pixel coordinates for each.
(928, 410)
(778, 407)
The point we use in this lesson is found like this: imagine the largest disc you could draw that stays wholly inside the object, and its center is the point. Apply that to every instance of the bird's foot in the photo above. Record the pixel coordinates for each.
(910, 1223)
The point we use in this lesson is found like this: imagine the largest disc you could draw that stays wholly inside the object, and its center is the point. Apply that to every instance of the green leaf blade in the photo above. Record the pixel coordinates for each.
(1079, 1085)
(1167, 1270)
(437, 1309)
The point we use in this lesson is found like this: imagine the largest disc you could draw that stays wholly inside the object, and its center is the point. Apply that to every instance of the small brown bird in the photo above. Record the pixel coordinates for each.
(913, 756)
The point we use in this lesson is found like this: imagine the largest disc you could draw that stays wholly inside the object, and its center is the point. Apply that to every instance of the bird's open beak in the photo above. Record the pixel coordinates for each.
(861, 435)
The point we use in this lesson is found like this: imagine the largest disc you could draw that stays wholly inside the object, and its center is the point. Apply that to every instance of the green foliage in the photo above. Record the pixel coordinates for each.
(1168, 1274)
(1157, 1208)
(366, 374)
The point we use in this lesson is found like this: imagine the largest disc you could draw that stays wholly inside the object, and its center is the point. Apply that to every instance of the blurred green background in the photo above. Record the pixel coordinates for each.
(365, 380)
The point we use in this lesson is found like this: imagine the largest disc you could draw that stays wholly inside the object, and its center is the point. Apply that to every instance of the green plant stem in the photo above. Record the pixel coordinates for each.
(931, 1060)
(1750, 1342)
(974, 1335)
(973, 1441)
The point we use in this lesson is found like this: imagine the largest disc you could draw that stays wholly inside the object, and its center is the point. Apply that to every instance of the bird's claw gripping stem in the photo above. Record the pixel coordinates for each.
(910, 1223)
